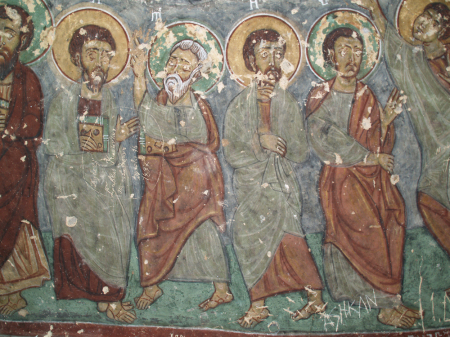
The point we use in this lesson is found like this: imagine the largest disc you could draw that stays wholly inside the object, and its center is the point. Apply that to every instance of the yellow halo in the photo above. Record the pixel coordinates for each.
(240, 32)
(88, 14)
(407, 12)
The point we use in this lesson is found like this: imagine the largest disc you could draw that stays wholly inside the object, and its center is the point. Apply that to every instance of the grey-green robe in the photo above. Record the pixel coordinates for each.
(88, 194)
(430, 112)
(265, 184)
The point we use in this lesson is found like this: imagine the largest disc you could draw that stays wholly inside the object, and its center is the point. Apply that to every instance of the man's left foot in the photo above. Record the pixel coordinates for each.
(215, 300)
(253, 316)
(13, 303)
(120, 312)
(308, 310)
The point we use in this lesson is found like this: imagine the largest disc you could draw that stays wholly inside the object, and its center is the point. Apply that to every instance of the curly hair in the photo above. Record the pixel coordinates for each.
(444, 11)
(26, 21)
(89, 33)
(331, 38)
(256, 37)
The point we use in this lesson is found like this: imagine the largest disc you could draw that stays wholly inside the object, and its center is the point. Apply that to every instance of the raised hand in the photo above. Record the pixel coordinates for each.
(265, 90)
(273, 143)
(138, 56)
(393, 107)
(125, 130)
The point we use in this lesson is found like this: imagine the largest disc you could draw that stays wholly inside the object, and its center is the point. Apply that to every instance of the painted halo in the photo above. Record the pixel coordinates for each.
(83, 15)
(167, 36)
(337, 19)
(43, 28)
(240, 32)
(407, 12)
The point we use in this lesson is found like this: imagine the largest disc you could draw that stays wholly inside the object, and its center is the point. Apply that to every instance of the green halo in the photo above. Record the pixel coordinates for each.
(333, 20)
(176, 32)
(42, 19)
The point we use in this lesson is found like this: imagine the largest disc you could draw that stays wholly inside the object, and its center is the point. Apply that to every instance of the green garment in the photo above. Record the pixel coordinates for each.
(182, 123)
(430, 112)
(89, 194)
(345, 284)
(328, 132)
(202, 258)
(265, 184)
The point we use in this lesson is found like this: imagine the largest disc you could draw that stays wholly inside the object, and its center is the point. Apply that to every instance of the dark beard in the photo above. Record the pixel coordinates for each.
(95, 80)
(275, 72)
(8, 66)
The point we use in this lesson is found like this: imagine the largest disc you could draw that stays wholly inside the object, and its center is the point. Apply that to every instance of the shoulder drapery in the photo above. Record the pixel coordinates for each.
(365, 213)
(182, 190)
(429, 111)
(18, 162)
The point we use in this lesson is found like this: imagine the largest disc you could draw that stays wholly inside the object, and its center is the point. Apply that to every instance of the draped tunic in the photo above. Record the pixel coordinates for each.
(265, 183)
(365, 213)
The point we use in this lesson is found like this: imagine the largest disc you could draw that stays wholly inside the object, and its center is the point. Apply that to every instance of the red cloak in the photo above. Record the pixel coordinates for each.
(183, 189)
(365, 213)
(18, 161)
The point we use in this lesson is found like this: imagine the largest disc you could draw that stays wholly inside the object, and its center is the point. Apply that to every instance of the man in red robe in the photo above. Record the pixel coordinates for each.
(23, 263)
(181, 210)
(364, 211)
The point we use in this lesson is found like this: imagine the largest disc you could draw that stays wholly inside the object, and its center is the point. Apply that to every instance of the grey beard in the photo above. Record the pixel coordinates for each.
(176, 87)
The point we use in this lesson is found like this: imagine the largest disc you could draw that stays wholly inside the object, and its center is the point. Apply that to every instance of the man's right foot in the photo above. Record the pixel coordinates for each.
(308, 310)
(148, 297)
(256, 314)
(400, 316)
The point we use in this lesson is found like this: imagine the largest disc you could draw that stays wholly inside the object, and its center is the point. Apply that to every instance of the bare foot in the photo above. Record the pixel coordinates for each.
(103, 306)
(309, 309)
(215, 300)
(396, 317)
(118, 312)
(222, 295)
(13, 303)
(148, 297)
(408, 312)
(256, 314)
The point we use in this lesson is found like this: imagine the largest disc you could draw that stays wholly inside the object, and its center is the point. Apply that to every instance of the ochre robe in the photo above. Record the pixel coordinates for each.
(183, 189)
(366, 223)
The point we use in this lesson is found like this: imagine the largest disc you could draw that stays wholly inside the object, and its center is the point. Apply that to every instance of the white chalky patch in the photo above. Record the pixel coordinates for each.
(395, 178)
(105, 290)
(338, 159)
(71, 221)
(366, 124)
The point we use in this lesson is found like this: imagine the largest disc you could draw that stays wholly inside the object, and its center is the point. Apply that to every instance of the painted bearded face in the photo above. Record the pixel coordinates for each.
(10, 42)
(95, 60)
(182, 69)
(268, 58)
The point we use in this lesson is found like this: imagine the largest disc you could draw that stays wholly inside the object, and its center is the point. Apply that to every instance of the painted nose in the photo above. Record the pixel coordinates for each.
(271, 59)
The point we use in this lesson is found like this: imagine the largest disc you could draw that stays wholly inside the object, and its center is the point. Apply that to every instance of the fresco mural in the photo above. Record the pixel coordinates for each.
(224, 168)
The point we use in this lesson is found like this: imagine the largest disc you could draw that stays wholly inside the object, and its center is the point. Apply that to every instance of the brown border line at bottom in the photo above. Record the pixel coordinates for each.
(98, 330)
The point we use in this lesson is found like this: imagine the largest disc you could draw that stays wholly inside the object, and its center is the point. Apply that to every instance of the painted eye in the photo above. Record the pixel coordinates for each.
(264, 54)
(278, 55)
